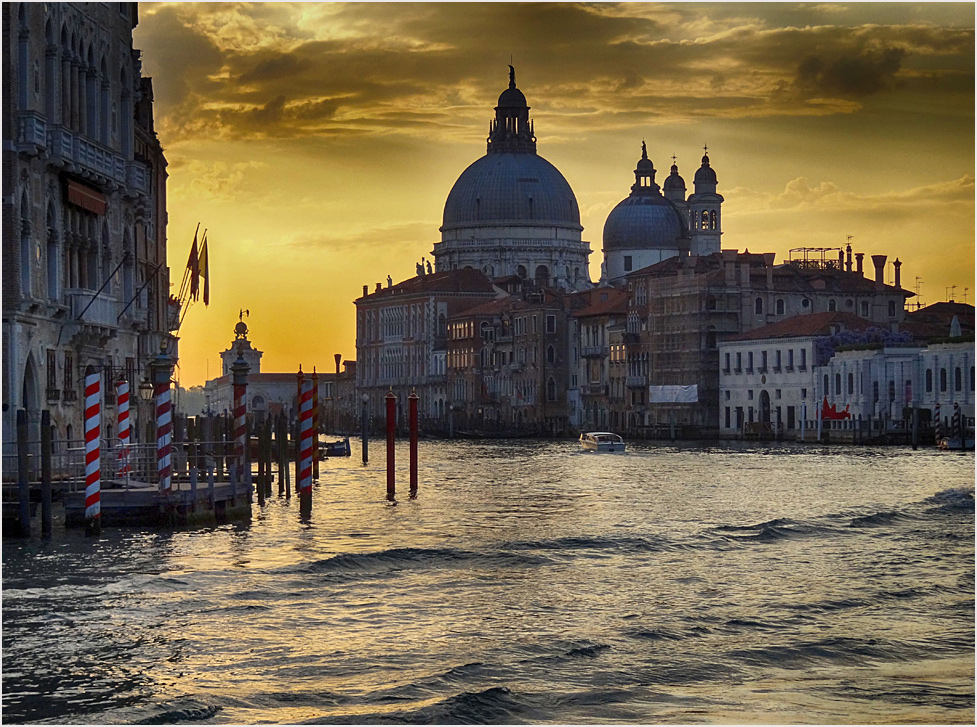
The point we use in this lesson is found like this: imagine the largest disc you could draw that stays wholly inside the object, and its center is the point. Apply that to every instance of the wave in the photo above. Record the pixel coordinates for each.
(394, 559)
(958, 499)
(186, 714)
(771, 530)
(572, 543)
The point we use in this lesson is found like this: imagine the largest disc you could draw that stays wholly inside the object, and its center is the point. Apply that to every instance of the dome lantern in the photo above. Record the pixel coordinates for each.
(512, 129)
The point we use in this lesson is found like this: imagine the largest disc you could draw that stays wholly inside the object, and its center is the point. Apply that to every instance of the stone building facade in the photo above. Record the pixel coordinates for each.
(85, 279)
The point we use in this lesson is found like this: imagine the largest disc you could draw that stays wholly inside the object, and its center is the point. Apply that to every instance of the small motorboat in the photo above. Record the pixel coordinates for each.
(602, 442)
(336, 449)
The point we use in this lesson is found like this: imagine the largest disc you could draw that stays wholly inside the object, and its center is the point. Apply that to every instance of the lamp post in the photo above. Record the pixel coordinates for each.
(161, 371)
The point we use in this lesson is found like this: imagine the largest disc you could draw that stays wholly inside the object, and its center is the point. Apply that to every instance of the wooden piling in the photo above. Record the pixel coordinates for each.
(259, 485)
(23, 486)
(46, 452)
(364, 416)
(412, 416)
(391, 400)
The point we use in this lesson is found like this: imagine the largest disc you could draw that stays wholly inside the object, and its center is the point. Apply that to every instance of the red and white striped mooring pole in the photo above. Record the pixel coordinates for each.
(122, 401)
(93, 467)
(162, 371)
(305, 448)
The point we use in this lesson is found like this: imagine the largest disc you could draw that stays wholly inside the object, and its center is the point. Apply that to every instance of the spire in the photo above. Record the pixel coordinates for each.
(512, 129)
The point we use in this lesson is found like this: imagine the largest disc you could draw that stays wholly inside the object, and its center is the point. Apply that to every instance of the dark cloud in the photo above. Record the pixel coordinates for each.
(853, 76)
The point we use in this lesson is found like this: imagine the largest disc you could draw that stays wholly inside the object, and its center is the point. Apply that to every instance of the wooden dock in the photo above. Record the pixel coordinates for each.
(142, 504)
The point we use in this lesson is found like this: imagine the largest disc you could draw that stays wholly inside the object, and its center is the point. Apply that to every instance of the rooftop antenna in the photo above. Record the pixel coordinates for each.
(965, 291)
(951, 291)
(919, 282)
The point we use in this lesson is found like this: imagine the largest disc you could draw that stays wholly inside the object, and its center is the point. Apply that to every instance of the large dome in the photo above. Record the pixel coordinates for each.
(644, 222)
(511, 188)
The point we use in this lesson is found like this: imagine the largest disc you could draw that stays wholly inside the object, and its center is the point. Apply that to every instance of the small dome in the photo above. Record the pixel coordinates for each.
(512, 98)
(509, 188)
(674, 182)
(643, 222)
(705, 174)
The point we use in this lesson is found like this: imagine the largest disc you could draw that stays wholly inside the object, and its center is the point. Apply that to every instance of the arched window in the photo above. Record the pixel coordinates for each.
(892, 308)
(705, 220)
(542, 276)
(103, 104)
(521, 271)
(780, 306)
(551, 389)
(92, 101)
(929, 380)
(125, 112)
(712, 220)
(758, 306)
(838, 384)
(832, 305)
(827, 390)
(942, 379)
(851, 383)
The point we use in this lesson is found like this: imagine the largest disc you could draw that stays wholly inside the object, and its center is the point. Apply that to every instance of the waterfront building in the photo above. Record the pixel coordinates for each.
(85, 279)
(686, 305)
(507, 364)
(511, 212)
(401, 338)
(600, 380)
(767, 376)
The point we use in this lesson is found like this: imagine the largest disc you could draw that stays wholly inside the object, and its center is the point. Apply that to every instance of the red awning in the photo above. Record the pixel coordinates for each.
(86, 197)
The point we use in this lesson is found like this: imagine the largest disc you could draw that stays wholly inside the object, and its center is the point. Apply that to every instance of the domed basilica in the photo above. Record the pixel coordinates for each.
(512, 213)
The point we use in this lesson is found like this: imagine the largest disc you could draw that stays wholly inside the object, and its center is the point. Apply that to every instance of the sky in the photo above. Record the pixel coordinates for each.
(317, 142)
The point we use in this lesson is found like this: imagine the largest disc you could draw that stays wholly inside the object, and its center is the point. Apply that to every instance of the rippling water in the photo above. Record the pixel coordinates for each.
(528, 582)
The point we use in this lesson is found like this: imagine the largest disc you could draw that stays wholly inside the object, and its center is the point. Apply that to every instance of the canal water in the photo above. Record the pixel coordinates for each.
(528, 582)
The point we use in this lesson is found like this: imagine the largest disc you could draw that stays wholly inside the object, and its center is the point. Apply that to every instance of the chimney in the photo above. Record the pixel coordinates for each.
(339, 357)
(858, 260)
(768, 258)
(379, 288)
(729, 266)
(848, 266)
(897, 265)
(841, 259)
(366, 290)
(879, 262)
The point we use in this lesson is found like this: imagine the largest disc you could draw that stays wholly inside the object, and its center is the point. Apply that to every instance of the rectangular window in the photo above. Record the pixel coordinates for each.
(627, 263)
(52, 369)
(763, 360)
(776, 358)
(749, 395)
(790, 417)
(727, 415)
(790, 358)
(551, 324)
(726, 366)
(803, 393)
(534, 324)
(803, 358)
(739, 361)
(749, 362)
(776, 393)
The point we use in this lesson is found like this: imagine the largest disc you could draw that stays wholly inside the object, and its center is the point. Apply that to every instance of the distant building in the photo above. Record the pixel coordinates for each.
(599, 379)
(401, 338)
(684, 306)
(768, 375)
(507, 364)
(276, 393)
(85, 280)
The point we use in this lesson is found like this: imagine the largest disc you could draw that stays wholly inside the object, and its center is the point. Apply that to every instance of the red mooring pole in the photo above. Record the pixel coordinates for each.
(391, 433)
(305, 447)
(412, 414)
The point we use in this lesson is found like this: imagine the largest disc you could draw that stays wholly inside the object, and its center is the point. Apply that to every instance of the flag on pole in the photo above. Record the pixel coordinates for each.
(193, 265)
(204, 268)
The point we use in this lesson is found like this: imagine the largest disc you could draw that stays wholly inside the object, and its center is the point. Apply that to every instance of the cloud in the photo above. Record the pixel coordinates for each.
(219, 181)
(282, 70)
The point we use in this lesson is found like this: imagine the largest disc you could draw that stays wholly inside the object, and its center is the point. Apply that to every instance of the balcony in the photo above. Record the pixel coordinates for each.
(103, 309)
(137, 176)
(593, 351)
(53, 394)
(82, 156)
(595, 389)
(761, 370)
(636, 382)
(31, 132)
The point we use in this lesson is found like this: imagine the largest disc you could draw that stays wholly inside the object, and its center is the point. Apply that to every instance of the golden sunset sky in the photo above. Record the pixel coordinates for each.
(317, 142)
